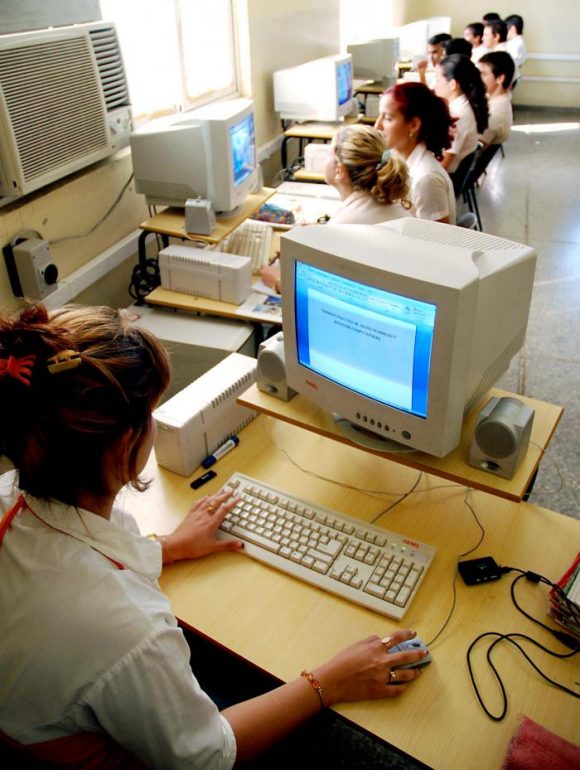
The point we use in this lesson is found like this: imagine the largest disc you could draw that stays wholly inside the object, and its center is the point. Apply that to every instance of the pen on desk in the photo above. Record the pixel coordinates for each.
(231, 443)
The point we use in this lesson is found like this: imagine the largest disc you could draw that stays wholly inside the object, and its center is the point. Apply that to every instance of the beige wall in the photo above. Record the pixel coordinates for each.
(545, 32)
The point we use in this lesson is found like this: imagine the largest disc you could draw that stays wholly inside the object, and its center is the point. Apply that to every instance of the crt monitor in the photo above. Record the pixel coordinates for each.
(316, 90)
(206, 153)
(401, 328)
(375, 60)
(413, 39)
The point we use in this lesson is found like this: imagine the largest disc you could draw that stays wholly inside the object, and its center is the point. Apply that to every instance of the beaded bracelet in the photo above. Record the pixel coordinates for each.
(309, 676)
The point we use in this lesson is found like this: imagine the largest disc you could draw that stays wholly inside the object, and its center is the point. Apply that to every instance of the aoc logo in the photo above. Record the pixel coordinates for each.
(311, 384)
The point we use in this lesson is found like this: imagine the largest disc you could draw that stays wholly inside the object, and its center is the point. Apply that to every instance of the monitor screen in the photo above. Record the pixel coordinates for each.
(242, 135)
(344, 82)
(371, 341)
(402, 328)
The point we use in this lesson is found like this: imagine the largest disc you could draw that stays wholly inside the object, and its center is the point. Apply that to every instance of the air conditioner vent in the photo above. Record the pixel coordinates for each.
(55, 103)
(110, 66)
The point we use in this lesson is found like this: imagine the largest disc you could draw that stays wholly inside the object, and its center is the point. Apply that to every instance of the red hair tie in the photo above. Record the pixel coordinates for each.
(18, 368)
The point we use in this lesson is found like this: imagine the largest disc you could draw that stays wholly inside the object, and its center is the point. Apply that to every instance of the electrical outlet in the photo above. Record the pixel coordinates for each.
(31, 269)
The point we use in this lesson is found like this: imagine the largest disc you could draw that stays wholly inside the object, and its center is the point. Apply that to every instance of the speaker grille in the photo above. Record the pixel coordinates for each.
(496, 440)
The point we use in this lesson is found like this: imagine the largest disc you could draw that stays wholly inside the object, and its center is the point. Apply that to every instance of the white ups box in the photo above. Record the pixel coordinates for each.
(194, 344)
(204, 415)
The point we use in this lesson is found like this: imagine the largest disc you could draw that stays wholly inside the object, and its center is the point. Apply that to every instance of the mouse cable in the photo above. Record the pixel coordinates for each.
(469, 505)
(511, 639)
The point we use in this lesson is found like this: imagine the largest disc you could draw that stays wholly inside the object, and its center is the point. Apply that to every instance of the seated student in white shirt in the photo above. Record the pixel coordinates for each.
(495, 39)
(497, 70)
(417, 124)
(435, 52)
(473, 33)
(459, 83)
(373, 183)
(516, 45)
(94, 664)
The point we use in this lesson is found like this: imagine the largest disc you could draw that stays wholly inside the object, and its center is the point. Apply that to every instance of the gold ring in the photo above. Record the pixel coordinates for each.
(387, 642)
(211, 508)
(392, 676)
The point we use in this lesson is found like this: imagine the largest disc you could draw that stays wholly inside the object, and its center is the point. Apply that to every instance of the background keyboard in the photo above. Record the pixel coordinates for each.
(378, 569)
(251, 239)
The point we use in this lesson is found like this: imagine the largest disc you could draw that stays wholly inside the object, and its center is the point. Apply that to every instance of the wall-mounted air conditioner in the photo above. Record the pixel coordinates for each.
(64, 104)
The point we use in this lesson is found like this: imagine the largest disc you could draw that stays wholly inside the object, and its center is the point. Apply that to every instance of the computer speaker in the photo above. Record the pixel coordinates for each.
(271, 369)
(199, 216)
(501, 436)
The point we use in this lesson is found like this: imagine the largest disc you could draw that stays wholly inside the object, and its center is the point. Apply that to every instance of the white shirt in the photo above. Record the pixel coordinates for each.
(431, 188)
(86, 646)
(478, 52)
(500, 119)
(516, 46)
(465, 140)
(361, 208)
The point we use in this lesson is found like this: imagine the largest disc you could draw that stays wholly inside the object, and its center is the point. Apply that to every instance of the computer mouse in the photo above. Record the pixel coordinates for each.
(412, 644)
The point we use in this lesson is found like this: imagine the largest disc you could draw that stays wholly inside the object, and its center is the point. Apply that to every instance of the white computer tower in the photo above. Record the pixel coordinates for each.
(195, 343)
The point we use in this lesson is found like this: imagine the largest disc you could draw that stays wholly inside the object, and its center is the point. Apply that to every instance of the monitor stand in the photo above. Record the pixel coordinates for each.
(367, 439)
(227, 214)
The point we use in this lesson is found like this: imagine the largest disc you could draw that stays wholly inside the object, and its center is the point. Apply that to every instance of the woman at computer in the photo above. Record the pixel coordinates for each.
(417, 125)
(95, 670)
(373, 183)
(459, 82)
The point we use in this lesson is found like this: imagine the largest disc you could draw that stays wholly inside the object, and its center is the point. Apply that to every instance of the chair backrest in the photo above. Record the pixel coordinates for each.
(459, 176)
(484, 160)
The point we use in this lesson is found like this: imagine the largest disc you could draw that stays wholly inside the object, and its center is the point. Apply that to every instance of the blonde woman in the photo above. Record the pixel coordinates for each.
(373, 183)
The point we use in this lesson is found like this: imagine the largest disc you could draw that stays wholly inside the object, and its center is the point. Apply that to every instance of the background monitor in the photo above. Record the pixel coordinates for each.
(401, 328)
(439, 25)
(375, 60)
(317, 90)
(413, 40)
(207, 153)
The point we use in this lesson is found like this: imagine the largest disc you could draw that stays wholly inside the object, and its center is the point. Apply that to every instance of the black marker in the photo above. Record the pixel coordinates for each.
(201, 480)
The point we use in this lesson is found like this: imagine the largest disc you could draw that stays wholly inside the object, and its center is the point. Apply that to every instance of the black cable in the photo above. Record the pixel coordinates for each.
(144, 278)
(563, 637)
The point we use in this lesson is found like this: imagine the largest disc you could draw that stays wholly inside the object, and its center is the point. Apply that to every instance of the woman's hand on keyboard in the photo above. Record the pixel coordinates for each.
(196, 536)
(270, 274)
(363, 670)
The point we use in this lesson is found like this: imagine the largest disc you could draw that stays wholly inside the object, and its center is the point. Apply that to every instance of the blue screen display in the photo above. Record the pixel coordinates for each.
(243, 144)
(368, 340)
(344, 81)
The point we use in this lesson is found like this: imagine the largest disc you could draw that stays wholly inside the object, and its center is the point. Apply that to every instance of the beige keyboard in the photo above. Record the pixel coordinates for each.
(378, 569)
(251, 239)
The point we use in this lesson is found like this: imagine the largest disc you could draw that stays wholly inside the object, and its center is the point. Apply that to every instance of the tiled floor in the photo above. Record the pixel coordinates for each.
(533, 196)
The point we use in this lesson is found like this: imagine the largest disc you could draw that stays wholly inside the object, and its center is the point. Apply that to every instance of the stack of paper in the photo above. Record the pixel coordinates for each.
(565, 603)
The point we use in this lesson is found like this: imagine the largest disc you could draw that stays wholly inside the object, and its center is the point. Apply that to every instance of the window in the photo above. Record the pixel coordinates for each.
(177, 52)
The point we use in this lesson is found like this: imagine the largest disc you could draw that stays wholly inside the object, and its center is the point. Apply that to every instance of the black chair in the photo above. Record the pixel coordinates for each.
(483, 157)
(459, 176)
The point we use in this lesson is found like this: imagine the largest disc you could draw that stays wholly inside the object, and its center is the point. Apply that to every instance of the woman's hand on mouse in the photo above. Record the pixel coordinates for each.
(196, 536)
(363, 670)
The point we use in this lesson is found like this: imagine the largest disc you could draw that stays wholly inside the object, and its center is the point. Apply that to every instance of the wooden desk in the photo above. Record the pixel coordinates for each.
(283, 625)
(304, 413)
(171, 221)
(245, 312)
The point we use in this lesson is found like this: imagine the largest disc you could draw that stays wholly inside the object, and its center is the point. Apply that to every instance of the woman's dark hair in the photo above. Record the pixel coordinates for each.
(459, 68)
(60, 416)
(458, 45)
(416, 100)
